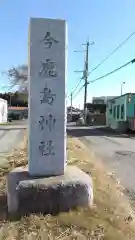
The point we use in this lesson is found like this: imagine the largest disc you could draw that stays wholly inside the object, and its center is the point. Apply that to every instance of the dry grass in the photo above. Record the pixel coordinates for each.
(109, 219)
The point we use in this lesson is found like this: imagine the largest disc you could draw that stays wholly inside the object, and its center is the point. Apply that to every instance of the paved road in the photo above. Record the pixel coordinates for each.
(116, 150)
(20, 124)
(11, 137)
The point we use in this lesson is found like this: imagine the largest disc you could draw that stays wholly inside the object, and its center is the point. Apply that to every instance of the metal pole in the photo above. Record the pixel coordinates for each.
(85, 75)
(122, 87)
(10, 99)
(86, 79)
(71, 105)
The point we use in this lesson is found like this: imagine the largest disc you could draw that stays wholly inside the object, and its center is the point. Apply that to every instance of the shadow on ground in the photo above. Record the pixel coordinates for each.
(131, 195)
(96, 131)
(5, 216)
(3, 208)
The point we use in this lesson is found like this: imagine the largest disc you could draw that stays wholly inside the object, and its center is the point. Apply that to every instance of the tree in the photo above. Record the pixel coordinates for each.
(15, 99)
(19, 77)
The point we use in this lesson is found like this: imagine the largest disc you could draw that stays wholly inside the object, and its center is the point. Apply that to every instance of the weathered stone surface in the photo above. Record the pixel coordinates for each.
(48, 195)
(14, 177)
(47, 96)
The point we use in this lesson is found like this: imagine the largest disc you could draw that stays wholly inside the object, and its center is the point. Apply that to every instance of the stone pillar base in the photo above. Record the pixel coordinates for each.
(26, 194)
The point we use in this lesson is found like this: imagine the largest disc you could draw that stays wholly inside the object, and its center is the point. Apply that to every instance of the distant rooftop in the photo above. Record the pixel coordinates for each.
(104, 99)
(121, 96)
(17, 108)
(3, 100)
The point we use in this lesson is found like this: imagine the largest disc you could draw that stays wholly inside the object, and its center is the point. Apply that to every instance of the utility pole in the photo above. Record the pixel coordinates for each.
(85, 74)
(71, 104)
(122, 87)
(10, 99)
(86, 69)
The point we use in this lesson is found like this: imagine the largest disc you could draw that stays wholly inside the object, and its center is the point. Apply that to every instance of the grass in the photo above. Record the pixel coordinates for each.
(109, 219)
(6, 123)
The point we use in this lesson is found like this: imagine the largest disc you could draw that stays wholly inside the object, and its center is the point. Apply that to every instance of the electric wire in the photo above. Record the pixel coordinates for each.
(99, 78)
(115, 50)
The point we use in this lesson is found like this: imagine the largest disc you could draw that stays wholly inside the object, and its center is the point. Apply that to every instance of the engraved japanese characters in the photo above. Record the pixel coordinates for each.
(47, 70)
(48, 122)
(48, 40)
(47, 66)
(47, 96)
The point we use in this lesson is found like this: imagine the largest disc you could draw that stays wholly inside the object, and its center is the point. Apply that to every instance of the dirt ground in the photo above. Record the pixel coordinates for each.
(110, 218)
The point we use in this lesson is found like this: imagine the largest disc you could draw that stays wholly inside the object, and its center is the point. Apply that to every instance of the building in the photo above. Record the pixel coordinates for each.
(120, 112)
(3, 110)
(102, 99)
(96, 113)
(73, 114)
(17, 113)
(97, 110)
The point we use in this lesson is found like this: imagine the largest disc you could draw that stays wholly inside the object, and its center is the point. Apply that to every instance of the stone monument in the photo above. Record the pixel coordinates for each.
(47, 185)
(47, 110)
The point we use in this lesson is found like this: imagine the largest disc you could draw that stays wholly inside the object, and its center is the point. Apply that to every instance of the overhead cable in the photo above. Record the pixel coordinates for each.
(115, 50)
(115, 70)
(99, 78)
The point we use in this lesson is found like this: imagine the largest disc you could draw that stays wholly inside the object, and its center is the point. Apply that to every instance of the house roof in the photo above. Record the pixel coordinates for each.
(17, 108)
(121, 96)
(3, 100)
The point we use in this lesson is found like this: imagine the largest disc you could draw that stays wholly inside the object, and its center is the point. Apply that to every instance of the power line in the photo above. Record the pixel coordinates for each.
(72, 92)
(85, 74)
(115, 50)
(79, 91)
(115, 70)
(77, 85)
(106, 58)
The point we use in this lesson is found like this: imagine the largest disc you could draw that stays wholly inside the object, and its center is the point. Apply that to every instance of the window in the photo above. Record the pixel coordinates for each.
(114, 112)
(122, 111)
(110, 109)
(118, 112)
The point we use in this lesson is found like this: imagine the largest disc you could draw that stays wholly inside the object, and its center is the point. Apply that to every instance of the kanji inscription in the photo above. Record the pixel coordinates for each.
(48, 40)
(47, 96)
(48, 69)
(47, 122)
(46, 148)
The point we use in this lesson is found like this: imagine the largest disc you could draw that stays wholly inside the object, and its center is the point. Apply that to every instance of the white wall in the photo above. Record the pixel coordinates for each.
(3, 110)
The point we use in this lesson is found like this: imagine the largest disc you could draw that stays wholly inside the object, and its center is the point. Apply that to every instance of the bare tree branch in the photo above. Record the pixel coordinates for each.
(19, 76)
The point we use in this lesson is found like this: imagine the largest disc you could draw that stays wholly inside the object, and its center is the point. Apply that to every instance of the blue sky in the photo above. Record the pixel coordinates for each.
(107, 23)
